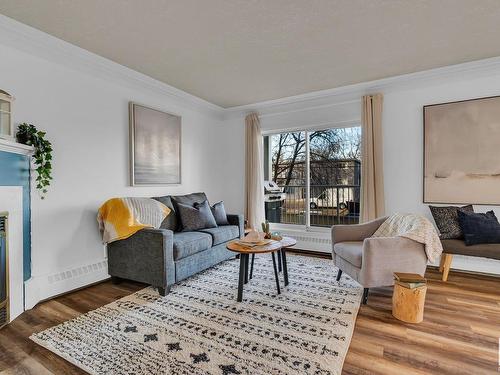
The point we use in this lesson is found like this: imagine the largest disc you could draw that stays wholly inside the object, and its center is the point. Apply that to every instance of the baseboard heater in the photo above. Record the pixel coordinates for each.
(4, 272)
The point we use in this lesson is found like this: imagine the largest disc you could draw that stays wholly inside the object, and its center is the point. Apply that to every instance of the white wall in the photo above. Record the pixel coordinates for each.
(403, 137)
(404, 98)
(86, 119)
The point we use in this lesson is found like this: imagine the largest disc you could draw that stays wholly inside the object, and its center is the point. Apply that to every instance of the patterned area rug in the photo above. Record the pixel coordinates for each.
(199, 328)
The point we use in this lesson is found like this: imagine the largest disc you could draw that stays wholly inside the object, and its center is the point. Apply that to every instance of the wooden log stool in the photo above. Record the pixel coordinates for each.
(408, 304)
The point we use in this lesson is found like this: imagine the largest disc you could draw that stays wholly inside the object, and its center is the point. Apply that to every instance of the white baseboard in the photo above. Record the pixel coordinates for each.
(40, 288)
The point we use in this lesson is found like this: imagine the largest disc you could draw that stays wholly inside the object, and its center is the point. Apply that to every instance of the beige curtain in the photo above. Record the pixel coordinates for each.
(372, 174)
(254, 172)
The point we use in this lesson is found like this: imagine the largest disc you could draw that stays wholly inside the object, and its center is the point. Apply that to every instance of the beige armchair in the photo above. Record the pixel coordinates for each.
(371, 261)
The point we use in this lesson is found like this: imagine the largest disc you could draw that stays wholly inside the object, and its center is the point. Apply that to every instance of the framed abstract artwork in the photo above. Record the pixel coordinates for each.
(462, 152)
(155, 146)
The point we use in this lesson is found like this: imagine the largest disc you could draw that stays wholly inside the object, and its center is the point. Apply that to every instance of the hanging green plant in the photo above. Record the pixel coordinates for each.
(29, 135)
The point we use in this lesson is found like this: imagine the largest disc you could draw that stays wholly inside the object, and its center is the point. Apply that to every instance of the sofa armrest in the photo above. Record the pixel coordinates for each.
(355, 232)
(382, 256)
(147, 257)
(239, 221)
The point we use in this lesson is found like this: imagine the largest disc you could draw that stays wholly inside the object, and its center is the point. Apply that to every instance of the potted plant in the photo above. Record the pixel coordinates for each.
(29, 135)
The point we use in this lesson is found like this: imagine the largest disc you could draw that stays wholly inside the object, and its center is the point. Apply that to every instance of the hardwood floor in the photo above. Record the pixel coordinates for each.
(459, 334)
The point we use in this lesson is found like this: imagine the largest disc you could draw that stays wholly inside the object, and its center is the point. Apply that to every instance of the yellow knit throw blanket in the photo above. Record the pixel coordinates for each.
(120, 218)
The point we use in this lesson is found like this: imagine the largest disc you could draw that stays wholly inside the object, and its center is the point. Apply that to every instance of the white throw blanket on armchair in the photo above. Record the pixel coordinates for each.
(415, 227)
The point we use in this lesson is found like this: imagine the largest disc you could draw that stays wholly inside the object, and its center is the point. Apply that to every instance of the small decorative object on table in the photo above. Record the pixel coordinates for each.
(276, 236)
(253, 237)
(265, 229)
(408, 298)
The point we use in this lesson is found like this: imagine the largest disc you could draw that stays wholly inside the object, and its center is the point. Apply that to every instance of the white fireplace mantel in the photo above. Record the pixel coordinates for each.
(15, 147)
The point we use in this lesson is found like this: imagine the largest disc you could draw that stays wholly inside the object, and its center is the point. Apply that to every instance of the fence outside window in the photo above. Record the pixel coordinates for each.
(334, 193)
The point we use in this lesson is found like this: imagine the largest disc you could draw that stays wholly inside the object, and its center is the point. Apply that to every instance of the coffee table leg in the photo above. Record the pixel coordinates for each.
(241, 278)
(279, 261)
(285, 268)
(247, 257)
(251, 266)
(276, 274)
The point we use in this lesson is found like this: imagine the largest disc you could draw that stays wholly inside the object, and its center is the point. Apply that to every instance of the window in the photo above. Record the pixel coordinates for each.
(319, 172)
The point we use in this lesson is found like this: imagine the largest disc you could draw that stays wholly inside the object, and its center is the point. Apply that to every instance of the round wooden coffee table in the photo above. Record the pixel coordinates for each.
(278, 247)
(244, 252)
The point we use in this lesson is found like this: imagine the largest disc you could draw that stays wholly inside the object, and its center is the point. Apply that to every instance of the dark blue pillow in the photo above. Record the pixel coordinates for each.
(479, 228)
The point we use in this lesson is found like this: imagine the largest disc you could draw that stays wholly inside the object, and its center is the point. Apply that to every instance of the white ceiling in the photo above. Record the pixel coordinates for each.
(236, 52)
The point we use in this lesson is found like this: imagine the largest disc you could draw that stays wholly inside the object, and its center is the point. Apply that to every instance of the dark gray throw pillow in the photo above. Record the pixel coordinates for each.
(188, 199)
(198, 216)
(479, 228)
(170, 222)
(446, 219)
(219, 213)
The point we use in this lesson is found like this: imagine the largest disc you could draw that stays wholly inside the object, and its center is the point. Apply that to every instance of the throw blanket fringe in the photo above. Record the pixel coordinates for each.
(120, 218)
(416, 228)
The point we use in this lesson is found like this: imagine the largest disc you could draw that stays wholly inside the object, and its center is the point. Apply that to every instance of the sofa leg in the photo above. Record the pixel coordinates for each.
(446, 265)
(365, 295)
(163, 291)
(339, 275)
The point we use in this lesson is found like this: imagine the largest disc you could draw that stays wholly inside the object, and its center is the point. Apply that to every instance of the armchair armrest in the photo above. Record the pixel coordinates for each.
(355, 232)
(147, 257)
(239, 221)
(382, 256)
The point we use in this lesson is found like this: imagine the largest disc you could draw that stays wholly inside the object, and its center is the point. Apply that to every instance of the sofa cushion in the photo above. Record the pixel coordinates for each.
(489, 250)
(223, 233)
(189, 200)
(351, 251)
(171, 221)
(189, 243)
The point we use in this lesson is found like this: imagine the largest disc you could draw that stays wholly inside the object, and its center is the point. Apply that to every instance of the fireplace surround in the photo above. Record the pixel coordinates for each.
(4, 271)
(15, 199)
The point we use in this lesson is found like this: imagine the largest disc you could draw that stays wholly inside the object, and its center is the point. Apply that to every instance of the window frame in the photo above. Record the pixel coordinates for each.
(308, 130)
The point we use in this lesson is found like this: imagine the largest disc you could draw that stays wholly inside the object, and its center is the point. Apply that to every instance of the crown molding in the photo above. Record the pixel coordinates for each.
(352, 93)
(40, 44)
(35, 42)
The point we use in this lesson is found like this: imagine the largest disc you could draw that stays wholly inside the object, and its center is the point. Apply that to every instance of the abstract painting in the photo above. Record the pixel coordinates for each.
(462, 152)
(155, 146)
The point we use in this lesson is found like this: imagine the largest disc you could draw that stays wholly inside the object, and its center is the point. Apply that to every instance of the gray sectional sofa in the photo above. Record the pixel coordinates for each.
(161, 257)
